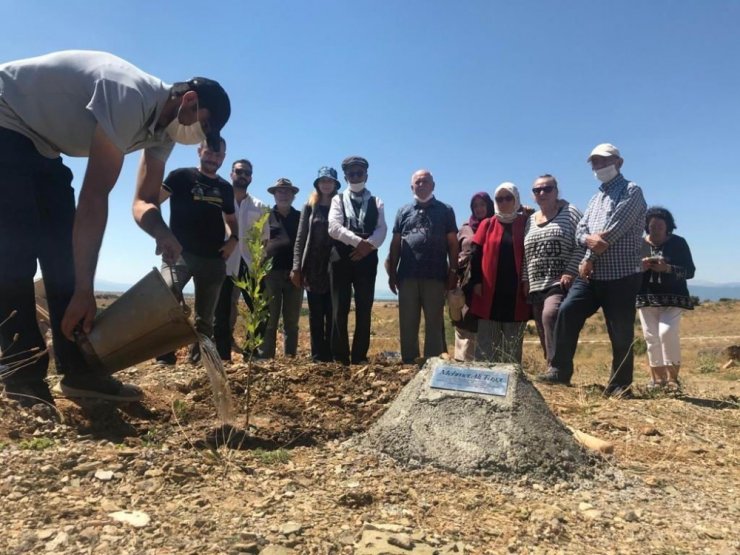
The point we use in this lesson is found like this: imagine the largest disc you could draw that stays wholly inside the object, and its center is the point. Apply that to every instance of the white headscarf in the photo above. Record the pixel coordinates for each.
(507, 218)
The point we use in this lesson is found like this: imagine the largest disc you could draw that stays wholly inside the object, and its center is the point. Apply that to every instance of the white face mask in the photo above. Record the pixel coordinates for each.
(357, 187)
(605, 175)
(422, 200)
(186, 134)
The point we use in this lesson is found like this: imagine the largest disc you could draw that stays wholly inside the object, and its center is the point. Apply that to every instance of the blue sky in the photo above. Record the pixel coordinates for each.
(479, 92)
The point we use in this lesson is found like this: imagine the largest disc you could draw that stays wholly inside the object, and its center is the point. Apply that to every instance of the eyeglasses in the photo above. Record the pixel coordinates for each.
(350, 175)
(540, 190)
(507, 198)
(245, 173)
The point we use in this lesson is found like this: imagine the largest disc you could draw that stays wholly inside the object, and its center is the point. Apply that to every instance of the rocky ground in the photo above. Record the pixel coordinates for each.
(150, 478)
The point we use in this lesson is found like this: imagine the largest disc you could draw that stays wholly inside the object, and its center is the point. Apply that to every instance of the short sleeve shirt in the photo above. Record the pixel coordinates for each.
(197, 205)
(424, 246)
(57, 99)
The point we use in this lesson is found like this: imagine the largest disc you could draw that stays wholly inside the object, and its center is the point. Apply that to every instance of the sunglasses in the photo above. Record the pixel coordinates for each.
(245, 173)
(354, 174)
(507, 198)
(545, 189)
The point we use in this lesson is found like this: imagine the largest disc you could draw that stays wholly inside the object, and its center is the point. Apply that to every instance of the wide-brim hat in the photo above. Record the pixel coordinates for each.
(326, 171)
(283, 183)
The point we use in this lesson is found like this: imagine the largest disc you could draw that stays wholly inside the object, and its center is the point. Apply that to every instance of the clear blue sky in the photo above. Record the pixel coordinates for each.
(479, 92)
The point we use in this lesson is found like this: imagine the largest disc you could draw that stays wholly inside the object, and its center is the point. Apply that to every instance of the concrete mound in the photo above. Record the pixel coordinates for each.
(476, 418)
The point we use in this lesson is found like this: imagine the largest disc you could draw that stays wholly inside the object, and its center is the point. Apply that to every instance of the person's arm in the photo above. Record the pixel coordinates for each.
(381, 229)
(103, 169)
(628, 213)
(393, 256)
(164, 194)
(684, 268)
(300, 245)
(577, 252)
(233, 241)
(146, 207)
(453, 251)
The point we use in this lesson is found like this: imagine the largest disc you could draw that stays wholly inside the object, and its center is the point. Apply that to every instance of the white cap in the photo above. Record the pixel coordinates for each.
(604, 149)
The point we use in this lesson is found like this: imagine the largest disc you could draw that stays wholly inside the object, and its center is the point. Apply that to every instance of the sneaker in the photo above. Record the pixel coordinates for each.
(167, 359)
(619, 392)
(551, 378)
(194, 354)
(93, 386)
(28, 394)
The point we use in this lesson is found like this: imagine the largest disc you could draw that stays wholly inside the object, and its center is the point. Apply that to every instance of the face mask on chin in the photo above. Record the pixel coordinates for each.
(422, 200)
(605, 175)
(186, 134)
(357, 187)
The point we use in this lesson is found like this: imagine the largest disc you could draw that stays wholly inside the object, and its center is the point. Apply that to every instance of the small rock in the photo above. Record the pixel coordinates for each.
(592, 514)
(137, 519)
(403, 541)
(629, 516)
(276, 550)
(585, 506)
(291, 528)
(104, 475)
(44, 535)
(250, 547)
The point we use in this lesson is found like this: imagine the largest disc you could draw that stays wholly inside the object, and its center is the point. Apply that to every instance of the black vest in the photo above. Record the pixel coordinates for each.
(367, 228)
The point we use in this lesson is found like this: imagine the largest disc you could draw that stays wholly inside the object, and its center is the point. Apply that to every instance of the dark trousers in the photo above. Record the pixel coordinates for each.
(320, 324)
(344, 276)
(225, 319)
(617, 299)
(37, 208)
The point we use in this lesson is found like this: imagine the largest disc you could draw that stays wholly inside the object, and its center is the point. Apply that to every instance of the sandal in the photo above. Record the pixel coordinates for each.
(654, 385)
(673, 386)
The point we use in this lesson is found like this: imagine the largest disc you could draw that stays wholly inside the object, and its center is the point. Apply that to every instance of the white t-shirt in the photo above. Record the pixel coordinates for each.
(247, 213)
(56, 100)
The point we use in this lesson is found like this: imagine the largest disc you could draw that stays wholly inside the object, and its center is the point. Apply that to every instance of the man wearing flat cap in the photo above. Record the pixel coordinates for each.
(283, 296)
(96, 105)
(609, 274)
(357, 225)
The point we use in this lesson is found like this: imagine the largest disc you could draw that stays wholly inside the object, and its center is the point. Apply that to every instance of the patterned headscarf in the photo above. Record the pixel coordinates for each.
(508, 217)
(473, 221)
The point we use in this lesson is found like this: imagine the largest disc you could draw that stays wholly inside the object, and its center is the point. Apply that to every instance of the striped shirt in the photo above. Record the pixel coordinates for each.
(551, 250)
(617, 211)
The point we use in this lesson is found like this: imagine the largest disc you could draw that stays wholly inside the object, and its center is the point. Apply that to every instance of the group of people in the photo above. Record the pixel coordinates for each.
(560, 266)
(507, 261)
(329, 248)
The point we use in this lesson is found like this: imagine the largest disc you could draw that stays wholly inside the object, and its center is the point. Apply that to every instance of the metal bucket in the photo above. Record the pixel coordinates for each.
(144, 322)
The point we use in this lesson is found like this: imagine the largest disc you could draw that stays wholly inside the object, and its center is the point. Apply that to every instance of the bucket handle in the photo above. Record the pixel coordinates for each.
(177, 290)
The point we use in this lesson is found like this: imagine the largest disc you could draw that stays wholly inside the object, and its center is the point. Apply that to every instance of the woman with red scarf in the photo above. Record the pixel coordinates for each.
(499, 299)
(481, 207)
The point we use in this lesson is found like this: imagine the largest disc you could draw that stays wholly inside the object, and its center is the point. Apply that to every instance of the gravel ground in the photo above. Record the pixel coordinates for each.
(146, 479)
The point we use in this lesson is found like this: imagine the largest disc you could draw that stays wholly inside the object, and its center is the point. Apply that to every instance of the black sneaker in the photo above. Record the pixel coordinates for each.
(194, 354)
(93, 386)
(551, 378)
(167, 359)
(28, 394)
(619, 392)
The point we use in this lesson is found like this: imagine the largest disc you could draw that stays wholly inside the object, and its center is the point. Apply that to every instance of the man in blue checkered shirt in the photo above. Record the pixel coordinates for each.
(609, 274)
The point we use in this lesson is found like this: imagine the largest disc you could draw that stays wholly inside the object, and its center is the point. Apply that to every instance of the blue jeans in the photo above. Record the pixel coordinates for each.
(617, 299)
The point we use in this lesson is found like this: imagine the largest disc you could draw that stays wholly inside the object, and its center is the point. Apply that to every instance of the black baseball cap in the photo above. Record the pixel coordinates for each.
(211, 95)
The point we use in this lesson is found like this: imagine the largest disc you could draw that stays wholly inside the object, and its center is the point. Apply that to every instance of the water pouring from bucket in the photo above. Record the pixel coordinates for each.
(146, 321)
